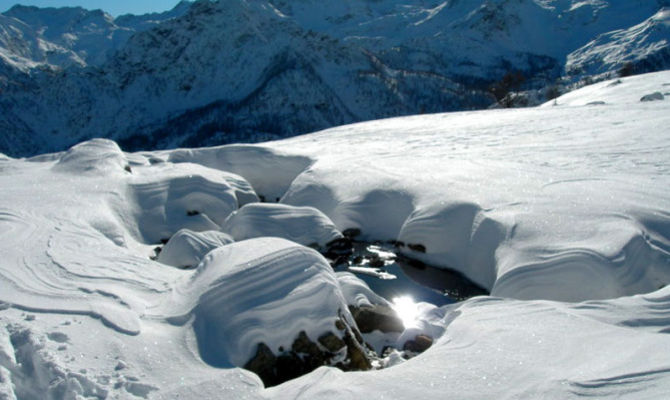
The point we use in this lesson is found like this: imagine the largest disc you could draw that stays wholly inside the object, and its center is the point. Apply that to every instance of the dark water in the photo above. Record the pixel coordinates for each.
(420, 281)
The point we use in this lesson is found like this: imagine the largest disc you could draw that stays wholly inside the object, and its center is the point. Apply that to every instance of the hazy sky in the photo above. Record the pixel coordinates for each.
(114, 7)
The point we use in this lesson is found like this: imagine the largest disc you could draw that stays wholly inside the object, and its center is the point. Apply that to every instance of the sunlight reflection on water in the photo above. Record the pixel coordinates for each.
(406, 309)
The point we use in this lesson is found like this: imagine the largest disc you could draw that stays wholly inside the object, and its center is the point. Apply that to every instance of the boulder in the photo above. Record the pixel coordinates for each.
(653, 97)
(376, 318)
(420, 344)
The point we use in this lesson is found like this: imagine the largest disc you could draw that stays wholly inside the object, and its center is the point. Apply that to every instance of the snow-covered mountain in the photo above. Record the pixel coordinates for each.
(213, 72)
(561, 212)
(63, 37)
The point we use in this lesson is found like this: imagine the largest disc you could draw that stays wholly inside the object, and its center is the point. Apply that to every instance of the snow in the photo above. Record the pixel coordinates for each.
(231, 71)
(303, 225)
(561, 211)
(186, 248)
(264, 290)
(646, 40)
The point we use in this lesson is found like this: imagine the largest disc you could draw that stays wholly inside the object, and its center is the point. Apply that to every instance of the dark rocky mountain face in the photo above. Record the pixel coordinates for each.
(217, 72)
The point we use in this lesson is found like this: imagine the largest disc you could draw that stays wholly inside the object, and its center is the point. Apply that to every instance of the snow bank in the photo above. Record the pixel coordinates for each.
(186, 248)
(304, 225)
(512, 199)
(263, 290)
(100, 156)
(269, 172)
(520, 349)
(170, 197)
(458, 235)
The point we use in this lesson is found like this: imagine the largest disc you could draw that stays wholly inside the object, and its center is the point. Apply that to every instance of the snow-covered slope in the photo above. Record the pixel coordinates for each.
(233, 71)
(642, 47)
(562, 211)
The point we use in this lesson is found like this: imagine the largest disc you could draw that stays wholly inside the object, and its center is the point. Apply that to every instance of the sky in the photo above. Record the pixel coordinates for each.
(115, 7)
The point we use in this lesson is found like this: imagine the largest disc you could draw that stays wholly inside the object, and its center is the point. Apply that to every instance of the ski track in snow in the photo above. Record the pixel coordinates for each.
(561, 211)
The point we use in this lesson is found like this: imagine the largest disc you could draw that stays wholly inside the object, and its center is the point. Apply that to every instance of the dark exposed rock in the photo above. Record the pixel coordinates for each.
(414, 263)
(340, 325)
(376, 262)
(356, 355)
(263, 364)
(653, 97)
(339, 247)
(192, 213)
(304, 345)
(417, 247)
(351, 233)
(157, 252)
(420, 344)
(306, 356)
(331, 342)
(341, 260)
(377, 317)
(397, 243)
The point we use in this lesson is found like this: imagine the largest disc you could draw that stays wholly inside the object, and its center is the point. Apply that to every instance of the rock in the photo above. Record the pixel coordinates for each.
(303, 345)
(356, 356)
(376, 262)
(339, 247)
(397, 243)
(340, 261)
(263, 364)
(653, 97)
(420, 344)
(305, 356)
(417, 247)
(331, 342)
(120, 365)
(351, 233)
(377, 317)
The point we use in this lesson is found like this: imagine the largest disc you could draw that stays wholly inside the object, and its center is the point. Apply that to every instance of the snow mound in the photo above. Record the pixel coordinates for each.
(170, 197)
(97, 156)
(380, 214)
(358, 293)
(186, 248)
(459, 235)
(268, 171)
(263, 290)
(303, 225)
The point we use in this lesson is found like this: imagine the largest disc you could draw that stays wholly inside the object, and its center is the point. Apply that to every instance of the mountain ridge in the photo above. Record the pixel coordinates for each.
(212, 72)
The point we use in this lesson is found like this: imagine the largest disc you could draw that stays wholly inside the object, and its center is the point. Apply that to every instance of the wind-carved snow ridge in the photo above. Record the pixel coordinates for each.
(186, 248)
(303, 225)
(269, 172)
